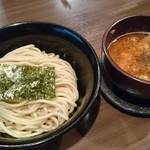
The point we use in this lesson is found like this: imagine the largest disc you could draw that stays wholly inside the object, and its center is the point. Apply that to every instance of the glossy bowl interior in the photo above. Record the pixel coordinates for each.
(71, 47)
(117, 77)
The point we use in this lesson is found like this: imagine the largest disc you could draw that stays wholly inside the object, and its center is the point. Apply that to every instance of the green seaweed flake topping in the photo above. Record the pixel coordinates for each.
(21, 82)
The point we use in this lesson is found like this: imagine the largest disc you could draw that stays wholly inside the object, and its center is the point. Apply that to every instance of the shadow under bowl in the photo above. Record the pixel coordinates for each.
(71, 47)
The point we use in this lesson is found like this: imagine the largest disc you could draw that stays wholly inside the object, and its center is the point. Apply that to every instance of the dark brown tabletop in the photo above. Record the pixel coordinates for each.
(112, 129)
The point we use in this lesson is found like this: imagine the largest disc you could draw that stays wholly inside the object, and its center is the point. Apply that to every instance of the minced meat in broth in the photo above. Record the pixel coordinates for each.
(131, 52)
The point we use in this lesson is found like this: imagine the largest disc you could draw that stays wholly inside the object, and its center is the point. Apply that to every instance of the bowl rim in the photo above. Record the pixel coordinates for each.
(104, 48)
(86, 108)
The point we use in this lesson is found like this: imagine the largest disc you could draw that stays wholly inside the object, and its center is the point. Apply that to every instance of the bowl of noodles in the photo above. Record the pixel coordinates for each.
(125, 56)
(49, 79)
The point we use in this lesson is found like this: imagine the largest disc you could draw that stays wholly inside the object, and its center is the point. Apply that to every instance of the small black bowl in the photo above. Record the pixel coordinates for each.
(126, 83)
(71, 47)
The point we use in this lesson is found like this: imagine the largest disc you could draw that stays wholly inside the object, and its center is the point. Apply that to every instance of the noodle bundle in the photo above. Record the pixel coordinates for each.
(33, 117)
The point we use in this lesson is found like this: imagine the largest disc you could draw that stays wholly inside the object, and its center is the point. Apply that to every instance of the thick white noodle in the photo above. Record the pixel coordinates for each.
(30, 118)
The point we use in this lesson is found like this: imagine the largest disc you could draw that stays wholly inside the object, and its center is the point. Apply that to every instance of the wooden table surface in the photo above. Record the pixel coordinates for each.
(112, 129)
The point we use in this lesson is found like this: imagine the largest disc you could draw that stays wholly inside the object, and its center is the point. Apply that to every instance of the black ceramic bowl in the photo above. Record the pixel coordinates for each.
(71, 47)
(117, 77)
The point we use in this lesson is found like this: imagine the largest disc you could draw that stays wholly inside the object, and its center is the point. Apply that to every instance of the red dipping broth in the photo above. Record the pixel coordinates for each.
(131, 52)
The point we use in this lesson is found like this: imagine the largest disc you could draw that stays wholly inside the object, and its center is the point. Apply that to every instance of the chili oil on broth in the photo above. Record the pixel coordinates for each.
(131, 52)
